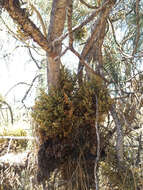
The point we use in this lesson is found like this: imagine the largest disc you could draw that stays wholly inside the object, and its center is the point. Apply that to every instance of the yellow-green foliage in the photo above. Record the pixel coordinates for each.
(14, 131)
(80, 34)
(70, 106)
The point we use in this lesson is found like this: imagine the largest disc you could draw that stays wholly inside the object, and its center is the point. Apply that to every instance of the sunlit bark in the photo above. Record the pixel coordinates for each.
(56, 27)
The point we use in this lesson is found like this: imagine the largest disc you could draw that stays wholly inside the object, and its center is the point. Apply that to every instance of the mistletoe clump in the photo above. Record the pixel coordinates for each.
(70, 106)
(65, 120)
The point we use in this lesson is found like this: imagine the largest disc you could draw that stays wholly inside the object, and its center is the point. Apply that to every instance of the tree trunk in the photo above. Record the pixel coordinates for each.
(51, 45)
(56, 27)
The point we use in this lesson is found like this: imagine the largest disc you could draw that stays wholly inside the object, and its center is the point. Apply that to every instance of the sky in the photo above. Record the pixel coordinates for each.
(19, 67)
(14, 68)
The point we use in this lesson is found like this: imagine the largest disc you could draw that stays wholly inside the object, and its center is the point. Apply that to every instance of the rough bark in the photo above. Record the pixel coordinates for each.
(95, 53)
(20, 16)
(100, 23)
(57, 20)
(56, 27)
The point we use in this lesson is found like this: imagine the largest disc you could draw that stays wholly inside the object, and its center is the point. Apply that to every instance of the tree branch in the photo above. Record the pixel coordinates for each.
(69, 14)
(98, 147)
(9, 107)
(138, 28)
(27, 92)
(86, 21)
(119, 143)
(98, 26)
(40, 18)
(87, 5)
(87, 66)
(20, 16)
(34, 60)
(57, 19)
(19, 83)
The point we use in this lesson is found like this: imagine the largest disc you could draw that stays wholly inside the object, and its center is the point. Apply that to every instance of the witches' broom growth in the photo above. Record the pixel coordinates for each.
(65, 122)
(70, 106)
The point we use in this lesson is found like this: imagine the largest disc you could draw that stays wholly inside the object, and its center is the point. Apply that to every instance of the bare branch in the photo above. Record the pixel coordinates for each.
(30, 87)
(69, 14)
(119, 46)
(87, 5)
(39, 67)
(86, 21)
(128, 80)
(98, 147)
(114, 35)
(138, 28)
(62, 53)
(9, 108)
(87, 66)
(19, 83)
(97, 28)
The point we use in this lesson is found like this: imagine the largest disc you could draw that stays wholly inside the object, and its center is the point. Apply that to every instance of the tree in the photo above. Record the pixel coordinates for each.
(113, 64)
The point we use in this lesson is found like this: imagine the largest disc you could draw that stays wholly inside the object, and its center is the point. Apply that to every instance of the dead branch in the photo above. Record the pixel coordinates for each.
(20, 83)
(29, 89)
(34, 60)
(98, 148)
